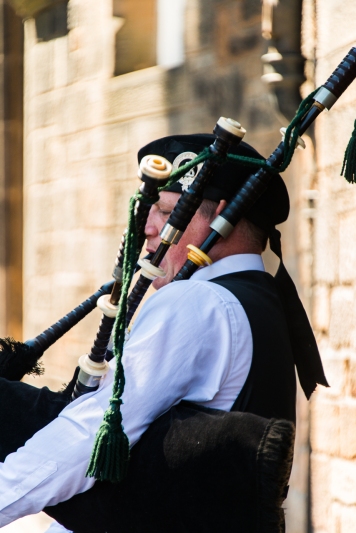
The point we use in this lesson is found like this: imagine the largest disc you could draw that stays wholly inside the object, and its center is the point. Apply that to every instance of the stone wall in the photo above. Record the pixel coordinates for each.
(329, 34)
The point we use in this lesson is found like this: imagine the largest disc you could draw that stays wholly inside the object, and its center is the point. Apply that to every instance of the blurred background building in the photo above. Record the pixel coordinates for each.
(84, 84)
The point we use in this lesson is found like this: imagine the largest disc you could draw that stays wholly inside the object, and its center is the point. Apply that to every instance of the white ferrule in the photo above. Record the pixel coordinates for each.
(300, 142)
(149, 271)
(155, 166)
(106, 306)
(232, 126)
(91, 367)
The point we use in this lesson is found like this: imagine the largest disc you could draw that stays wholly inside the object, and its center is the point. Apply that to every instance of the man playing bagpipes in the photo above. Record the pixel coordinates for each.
(203, 391)
(219, 341)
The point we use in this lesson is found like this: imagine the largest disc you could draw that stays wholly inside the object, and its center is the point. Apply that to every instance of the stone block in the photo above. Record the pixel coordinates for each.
(352, 375)
(93, 62)
(42, 111)
(143, 130)
(348, 430)
(66, 203)
(118, 205)
(60, 53)
(325, 236)
(348, 519)
(334, 18)
(109, 140)
(36, 305)
(42, 63)
(335, 517)
(40, 207)
(320, 492)
(336, 367)
(321, 308)
(347, 253)
(325, 426)
(35, 158)
(80, 145)
(342, 316)
(94, 207)
(116, 169)
(345, 206)
(338, 186)
(72, 110)
(343, 481)
(55, 157)
(75, 63)
(135, 94)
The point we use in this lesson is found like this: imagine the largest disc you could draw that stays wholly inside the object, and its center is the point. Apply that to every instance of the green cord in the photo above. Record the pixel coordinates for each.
(109, 459)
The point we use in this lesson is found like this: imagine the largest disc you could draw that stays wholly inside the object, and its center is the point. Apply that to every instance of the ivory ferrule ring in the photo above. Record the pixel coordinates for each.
(91, 368)
(300, 141)
(106, 306)
(150, 271)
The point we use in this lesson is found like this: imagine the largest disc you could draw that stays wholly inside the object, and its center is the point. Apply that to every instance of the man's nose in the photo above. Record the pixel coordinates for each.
(151, 229)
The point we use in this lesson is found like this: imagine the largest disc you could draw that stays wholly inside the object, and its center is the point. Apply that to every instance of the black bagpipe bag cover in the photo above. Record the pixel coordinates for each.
(195, 470)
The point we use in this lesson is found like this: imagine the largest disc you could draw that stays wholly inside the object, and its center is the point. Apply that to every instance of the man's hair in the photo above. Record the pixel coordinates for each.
(252, 233)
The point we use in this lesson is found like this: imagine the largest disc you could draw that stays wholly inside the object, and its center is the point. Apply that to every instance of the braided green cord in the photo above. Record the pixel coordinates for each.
(110, 455)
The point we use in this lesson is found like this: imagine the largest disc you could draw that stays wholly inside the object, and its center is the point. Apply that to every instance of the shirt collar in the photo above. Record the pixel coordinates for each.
(227, 265)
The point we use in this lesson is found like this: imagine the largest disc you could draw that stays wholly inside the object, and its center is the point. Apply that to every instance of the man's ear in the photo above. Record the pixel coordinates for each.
(220, 207)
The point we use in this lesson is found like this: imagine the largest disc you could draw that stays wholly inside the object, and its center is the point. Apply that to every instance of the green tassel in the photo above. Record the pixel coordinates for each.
(109, 459)
(349, 164)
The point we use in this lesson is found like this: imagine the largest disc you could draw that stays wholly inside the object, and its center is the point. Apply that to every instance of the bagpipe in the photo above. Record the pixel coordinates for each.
(165, 486)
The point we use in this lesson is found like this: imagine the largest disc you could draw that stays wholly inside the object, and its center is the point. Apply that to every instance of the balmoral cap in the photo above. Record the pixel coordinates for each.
(271, 208)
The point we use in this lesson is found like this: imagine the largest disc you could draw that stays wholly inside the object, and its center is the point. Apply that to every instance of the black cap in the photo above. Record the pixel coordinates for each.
(271, 208)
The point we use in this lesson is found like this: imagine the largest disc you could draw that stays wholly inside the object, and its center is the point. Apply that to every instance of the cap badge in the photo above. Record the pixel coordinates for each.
(190, 176)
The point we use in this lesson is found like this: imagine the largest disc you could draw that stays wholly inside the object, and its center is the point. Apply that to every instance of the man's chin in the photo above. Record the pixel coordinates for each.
(158, 283)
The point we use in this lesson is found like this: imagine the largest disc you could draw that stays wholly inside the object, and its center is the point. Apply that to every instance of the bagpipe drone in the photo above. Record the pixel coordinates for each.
(132, 504)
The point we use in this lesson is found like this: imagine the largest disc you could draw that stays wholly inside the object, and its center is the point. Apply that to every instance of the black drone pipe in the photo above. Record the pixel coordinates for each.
(20, 358)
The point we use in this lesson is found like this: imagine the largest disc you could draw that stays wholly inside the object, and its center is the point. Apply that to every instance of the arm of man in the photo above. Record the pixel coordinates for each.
(181, 347)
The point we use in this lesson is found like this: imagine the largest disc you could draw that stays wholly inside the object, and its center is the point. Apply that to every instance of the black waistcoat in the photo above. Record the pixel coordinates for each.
(270, 388)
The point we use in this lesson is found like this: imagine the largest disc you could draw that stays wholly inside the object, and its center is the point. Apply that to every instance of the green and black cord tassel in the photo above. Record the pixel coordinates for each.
(349, 165)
